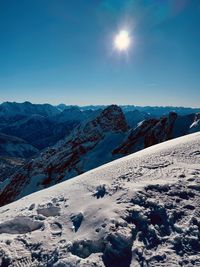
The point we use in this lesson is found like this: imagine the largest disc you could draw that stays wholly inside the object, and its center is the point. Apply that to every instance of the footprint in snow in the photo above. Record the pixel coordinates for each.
(20, 225)
(56, 228)
(48, 210)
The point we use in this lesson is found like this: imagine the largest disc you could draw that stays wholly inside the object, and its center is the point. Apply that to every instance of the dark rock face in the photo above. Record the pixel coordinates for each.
(112, 118)
(77, 220)
(162, 131)
(148, 133)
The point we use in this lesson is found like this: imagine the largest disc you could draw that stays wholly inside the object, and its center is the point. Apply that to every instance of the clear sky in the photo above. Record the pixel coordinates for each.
(62, 51)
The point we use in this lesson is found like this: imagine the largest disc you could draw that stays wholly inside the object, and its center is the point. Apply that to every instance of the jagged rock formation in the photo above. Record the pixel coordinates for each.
(148, 133)
(88, 147)
(96, 141)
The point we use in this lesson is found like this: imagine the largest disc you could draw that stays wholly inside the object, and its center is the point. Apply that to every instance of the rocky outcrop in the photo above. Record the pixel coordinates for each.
(92, 143)
(195, 126)
(148, 133)
(69, 157)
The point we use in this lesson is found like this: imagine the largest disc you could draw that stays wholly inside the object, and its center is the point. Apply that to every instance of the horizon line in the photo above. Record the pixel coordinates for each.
(96, 105)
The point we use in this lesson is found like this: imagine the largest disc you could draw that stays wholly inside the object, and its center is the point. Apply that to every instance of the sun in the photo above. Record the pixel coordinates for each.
(122, 40)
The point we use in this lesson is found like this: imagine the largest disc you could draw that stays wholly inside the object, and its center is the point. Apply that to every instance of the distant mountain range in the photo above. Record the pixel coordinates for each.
(42, 125)
(27, 108)
(73, 141)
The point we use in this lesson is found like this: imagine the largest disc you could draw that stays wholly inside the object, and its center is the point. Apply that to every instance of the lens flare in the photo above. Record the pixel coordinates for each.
(122, 40)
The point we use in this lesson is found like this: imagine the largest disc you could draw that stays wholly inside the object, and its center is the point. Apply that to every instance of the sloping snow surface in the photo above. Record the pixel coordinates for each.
(141, 210)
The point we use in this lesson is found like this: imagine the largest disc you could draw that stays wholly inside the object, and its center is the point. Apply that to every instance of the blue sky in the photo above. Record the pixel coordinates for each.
(62, 51)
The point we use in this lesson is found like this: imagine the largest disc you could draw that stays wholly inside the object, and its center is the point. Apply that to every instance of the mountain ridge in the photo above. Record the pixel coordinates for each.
(96, 141)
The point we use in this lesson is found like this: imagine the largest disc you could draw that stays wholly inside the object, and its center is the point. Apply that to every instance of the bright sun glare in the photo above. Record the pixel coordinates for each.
(122, 40)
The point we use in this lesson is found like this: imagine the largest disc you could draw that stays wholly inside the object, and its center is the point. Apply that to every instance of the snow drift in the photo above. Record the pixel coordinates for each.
(141, 210)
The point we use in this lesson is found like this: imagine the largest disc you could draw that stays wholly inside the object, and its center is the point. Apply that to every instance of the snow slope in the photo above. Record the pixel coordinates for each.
(141, 210)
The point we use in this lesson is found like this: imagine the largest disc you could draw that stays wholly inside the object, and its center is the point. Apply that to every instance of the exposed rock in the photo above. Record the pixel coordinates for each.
(148, 133)
(66, 159)
(77, 220)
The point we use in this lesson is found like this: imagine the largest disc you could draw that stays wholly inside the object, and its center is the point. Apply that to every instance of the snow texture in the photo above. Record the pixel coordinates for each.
(141, 210)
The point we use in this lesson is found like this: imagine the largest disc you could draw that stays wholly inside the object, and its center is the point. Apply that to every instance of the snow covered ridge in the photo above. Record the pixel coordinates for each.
(42, 125)
(94, 142)
(140, 210)
(89, 146)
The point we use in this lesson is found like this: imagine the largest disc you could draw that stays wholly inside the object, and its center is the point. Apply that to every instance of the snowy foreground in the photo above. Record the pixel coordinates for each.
(141, 210)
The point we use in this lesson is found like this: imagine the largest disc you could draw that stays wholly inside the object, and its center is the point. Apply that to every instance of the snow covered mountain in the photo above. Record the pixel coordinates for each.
(94, 142)
(158, 111)
(136, 116)
(89, 146)
(141, 210)
(13, 152)
(15, 147)
(12, 109)
(43, 131)
(153, 131)
(195, 126)
(70, 114)
(42, 125)
(153, 111)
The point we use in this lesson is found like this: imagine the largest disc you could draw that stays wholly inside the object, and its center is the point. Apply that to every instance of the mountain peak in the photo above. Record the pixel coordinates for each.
(112, 118)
